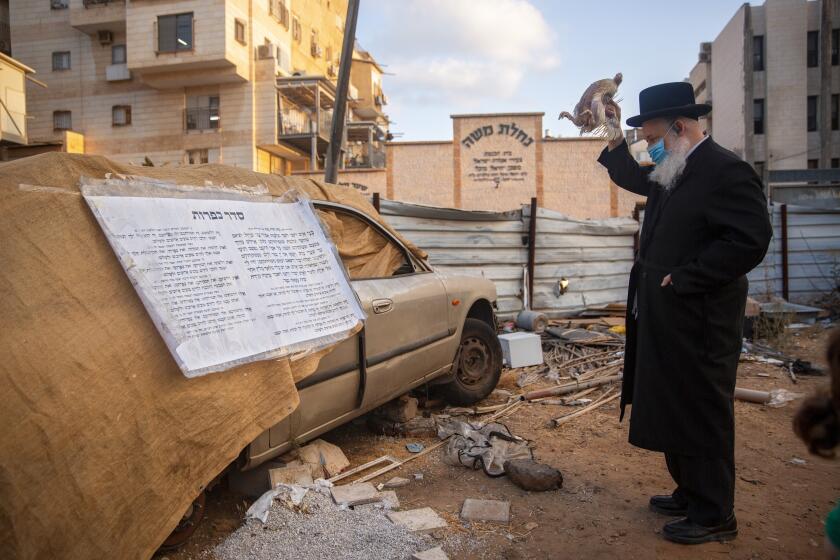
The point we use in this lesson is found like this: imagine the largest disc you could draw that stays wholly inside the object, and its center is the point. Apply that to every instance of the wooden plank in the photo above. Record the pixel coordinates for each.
(551, 240)
(405, 224)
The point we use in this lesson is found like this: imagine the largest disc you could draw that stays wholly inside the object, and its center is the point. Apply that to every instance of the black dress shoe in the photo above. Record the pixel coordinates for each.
(667, 505)
(685, 531)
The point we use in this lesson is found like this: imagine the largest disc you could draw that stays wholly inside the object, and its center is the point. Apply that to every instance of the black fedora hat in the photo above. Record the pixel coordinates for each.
(674, 99)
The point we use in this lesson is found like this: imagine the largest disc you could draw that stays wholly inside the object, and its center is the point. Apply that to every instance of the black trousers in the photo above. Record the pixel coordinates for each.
(705, 484)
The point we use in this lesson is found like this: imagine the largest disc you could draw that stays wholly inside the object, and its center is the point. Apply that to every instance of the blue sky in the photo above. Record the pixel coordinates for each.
(476, 56)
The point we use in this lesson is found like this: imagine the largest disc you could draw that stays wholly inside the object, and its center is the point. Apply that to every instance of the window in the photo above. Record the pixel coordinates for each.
(121, 115)
(812, 113)
(813, 163)
(175, 33)
(835, 163)
(835, 112)
(835, 47)
(354, 228)
(759, 169)
(758, 53)
(239, 30)
(758, 116)
(203, 112)
(62, 120)
(297, 32)
(118, 54)
(314, 47)
(61, 60)
(813, 49)
(59, 4)
(194, 157)
(278, 9)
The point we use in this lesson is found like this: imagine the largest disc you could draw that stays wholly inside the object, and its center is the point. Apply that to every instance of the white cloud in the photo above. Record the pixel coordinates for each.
(448, 51)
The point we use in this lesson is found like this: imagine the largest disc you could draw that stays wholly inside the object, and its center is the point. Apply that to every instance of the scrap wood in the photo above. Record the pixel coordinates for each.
(569, 388)
(600, 402)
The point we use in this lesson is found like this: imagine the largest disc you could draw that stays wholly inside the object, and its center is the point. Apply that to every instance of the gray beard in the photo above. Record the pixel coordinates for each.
(667, 173)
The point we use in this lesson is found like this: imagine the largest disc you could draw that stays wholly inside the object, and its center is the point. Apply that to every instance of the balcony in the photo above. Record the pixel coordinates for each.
(305, 112)
(202, 118)
(117, 72)
(365, 146)
(92, 16)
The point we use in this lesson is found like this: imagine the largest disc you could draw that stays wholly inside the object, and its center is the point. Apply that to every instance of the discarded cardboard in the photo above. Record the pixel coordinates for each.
(355, 494)
(485, 510)
(422, 520)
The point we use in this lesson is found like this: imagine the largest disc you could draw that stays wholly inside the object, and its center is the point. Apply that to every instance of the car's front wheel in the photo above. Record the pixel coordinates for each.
(479, 365)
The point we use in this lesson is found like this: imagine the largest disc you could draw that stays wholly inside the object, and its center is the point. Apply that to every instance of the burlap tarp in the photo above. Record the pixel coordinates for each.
(104, 442)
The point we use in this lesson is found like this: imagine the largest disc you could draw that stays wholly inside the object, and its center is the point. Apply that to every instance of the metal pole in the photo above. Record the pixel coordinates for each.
(339, 114)
(376, 201)
(785, 272)
(532, 251)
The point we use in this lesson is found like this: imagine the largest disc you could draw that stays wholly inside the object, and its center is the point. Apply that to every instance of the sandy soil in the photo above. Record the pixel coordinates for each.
(601, 511)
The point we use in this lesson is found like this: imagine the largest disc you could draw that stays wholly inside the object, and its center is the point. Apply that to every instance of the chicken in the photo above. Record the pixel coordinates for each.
(590, 112)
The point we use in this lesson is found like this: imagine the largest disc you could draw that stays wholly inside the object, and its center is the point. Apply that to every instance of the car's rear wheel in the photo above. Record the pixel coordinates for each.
(479, 365)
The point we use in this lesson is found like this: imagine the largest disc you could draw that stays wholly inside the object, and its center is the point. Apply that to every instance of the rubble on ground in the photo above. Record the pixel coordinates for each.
(318, 528)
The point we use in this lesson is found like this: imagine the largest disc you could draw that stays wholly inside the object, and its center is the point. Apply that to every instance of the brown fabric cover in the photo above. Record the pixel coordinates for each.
(104, 443)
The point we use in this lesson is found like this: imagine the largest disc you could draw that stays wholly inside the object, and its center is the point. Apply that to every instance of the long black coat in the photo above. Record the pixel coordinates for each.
(683, 344)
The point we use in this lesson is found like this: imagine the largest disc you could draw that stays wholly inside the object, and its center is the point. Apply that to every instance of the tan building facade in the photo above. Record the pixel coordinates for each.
(772, 76)
(498, 162)
(249, 83)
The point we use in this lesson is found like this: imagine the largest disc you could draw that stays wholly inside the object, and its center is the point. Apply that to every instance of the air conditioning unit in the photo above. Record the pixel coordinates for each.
(58, 4)
(265, 51)
(105, 37)
(331, 70)
(316, 51)
(705, 57)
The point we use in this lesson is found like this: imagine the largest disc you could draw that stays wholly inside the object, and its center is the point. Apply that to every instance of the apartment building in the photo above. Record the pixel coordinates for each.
(242, 82)
(772, 76)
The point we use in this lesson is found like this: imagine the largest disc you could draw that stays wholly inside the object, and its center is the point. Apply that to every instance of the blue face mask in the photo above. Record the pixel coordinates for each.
(658, 152)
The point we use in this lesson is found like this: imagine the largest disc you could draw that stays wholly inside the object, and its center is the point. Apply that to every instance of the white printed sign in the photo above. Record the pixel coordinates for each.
(230, 281)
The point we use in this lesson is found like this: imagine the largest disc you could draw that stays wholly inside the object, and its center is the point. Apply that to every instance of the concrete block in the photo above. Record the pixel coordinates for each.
(389, 499)
(355, 494)
(397, 482)
(300, 475)
(485, 510)
(422, 520)
(400, 410)
(327, 455)
(436, 553)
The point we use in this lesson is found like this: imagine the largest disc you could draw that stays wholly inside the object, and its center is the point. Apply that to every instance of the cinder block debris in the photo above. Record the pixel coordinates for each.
(300, 475)
(485, 510)
(436, 553)
(422, 520)
(325, 454)
(355, 494)
(399, 410)
(397, 482)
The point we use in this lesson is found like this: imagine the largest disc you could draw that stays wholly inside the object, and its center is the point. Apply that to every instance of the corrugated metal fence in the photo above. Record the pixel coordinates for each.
(809, 240)
(595, 256)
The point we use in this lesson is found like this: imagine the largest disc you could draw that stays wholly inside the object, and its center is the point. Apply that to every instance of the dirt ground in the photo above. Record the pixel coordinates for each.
(601, 511)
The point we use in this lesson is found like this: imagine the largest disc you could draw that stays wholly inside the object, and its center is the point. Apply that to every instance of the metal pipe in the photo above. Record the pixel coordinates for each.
(785, 271)
(376, 202)
(532, 251)
(339, 114)
(360, 397)
(569, 388)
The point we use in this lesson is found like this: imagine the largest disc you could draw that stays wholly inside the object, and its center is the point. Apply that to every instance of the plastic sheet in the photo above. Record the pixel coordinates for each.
(228, 276)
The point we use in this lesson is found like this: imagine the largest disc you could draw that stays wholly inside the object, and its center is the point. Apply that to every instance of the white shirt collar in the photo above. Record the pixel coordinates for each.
(694, 147)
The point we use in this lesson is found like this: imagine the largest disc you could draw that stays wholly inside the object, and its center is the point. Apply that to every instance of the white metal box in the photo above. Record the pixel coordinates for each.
(521, 349)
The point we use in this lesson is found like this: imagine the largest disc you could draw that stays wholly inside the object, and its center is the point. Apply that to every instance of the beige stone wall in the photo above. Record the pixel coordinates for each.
(728, 84)
(421, 172)
(366, 181)
(496, 160)
(577, 185)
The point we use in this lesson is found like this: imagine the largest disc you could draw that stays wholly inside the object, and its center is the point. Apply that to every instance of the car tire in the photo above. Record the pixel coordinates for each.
(479, 365)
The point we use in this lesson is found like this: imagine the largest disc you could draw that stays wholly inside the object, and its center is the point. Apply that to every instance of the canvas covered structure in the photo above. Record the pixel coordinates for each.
(104, 442)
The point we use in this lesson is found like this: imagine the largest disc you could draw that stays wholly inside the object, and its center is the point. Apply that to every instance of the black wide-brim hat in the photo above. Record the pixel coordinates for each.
(674, 99)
